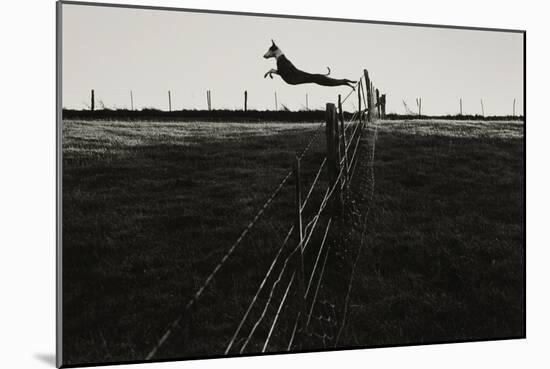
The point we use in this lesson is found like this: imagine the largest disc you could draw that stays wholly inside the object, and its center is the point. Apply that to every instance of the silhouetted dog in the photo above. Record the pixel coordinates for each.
(293, 76)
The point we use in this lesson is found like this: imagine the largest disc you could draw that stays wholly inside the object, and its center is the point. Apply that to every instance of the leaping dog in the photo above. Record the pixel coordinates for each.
(293, 76)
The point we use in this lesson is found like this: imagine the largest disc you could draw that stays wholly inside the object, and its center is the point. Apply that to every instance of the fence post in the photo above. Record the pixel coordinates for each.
(333, 164)
(337, 147)
(369, 98)
(378, 102)
(245, 100)
(343, 129)
(169, 101)
(383, 97)
(92, 106)
(132, 100)
(276, 104)
(461, 106)
(372, 96)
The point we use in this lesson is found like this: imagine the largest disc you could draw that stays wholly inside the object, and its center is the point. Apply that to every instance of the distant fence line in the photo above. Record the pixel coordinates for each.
(288, 269)
(379, 98)
(380, 101)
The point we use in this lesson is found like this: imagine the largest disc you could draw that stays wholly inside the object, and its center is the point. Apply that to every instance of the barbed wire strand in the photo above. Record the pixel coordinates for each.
(318, 285)
(294, 331)
(278, 312)
(255, 298)
(317, 259)
(271, 292)
(313, 184)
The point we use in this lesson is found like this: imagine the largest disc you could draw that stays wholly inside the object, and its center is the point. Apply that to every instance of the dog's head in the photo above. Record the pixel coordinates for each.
(273, 51)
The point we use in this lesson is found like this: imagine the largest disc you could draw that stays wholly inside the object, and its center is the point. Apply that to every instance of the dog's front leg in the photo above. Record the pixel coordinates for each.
(270, 73)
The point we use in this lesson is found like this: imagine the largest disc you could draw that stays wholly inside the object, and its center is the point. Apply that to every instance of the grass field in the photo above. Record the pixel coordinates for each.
(444, 259)
(150, 207)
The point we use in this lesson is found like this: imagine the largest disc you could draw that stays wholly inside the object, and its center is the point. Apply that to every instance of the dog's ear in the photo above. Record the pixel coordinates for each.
(273, 43)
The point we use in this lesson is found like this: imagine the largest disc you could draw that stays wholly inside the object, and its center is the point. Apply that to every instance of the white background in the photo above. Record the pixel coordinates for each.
(27, 183)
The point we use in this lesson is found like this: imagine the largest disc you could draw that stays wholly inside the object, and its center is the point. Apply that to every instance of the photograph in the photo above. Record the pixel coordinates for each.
(239, 184)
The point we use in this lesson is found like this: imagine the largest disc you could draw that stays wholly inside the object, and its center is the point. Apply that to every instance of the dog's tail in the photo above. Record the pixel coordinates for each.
(328, 74)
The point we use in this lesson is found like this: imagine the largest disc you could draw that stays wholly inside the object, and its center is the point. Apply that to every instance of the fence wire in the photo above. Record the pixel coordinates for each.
(352, 134)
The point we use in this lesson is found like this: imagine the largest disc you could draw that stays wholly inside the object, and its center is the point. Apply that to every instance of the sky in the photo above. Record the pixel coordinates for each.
(118, 50)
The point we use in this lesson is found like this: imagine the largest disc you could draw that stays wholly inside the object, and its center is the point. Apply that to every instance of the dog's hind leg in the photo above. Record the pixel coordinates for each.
(351, 83)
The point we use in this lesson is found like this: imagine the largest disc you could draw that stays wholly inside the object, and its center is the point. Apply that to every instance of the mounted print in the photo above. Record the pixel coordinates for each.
(242, 184)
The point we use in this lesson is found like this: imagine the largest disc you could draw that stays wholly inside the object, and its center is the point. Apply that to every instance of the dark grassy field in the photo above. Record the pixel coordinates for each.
(444, 255)
(149, 209)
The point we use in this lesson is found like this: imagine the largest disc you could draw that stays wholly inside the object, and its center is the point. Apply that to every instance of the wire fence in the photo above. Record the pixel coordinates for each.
(289, 309)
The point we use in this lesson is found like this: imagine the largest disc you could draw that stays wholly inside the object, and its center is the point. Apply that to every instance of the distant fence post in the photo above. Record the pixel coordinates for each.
(307, 102)
(131, 100)
(92, 105)
(461, 106)
(333, 163)
(343, 129)
(372, 95)
(209, 99)
(299, 232)
(383, 100)
(378, 102)
(169, 101)
(276, 104)
(369, 97)
(245, 100)
(514, 108)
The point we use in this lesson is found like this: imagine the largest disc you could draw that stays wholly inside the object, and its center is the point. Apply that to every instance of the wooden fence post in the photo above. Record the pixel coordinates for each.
(245, 100)
(372, 95)
(369, 99)
(383, 97)
(482, 108)
(378, 102)
(92, 106)
(131, 99)
(343, 129)
(333, 163)
(307, 102)
(514, 108)
(276, 104)
(169, 101)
